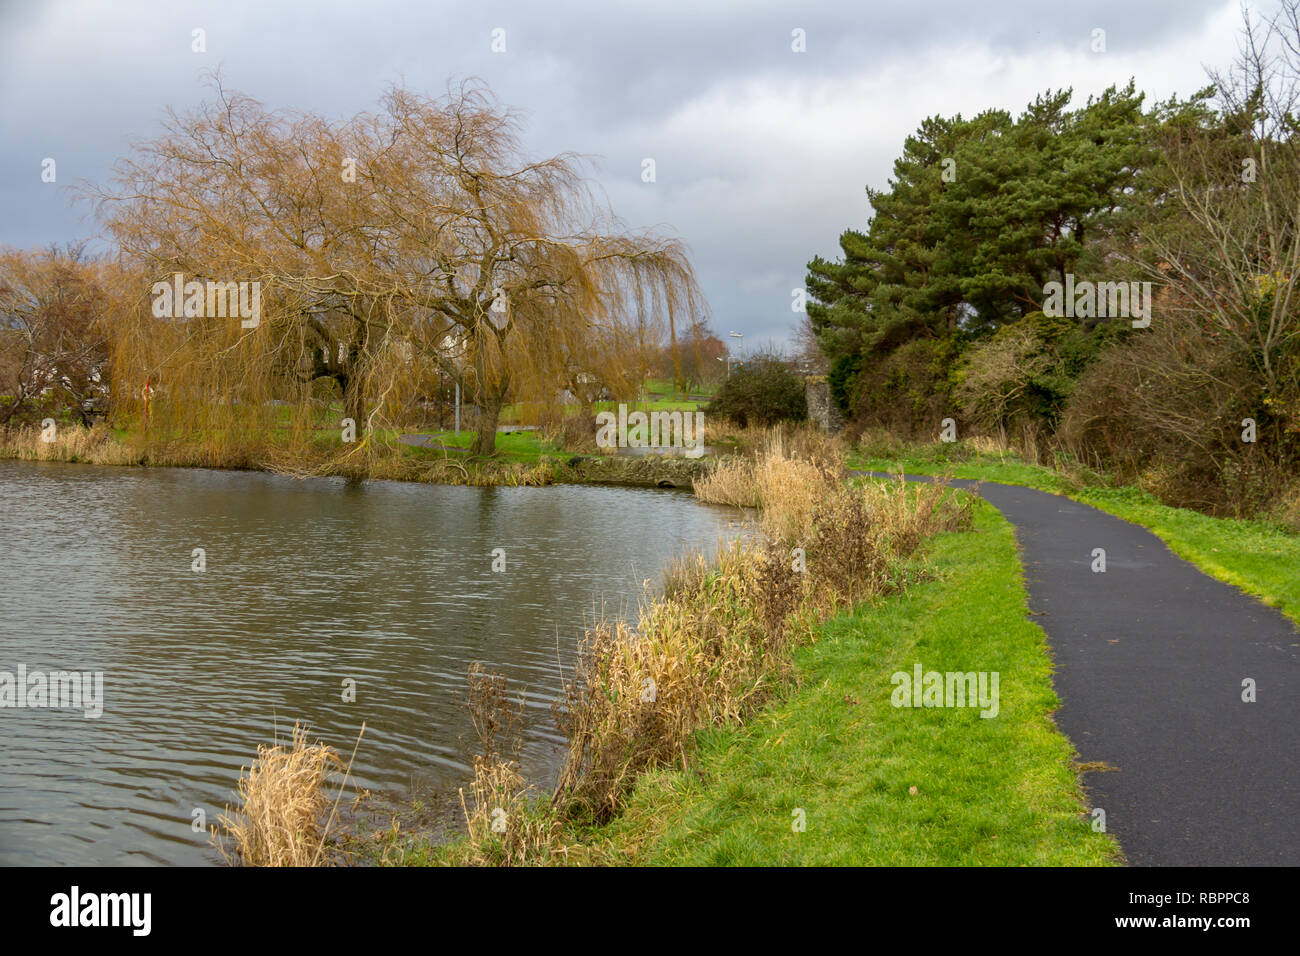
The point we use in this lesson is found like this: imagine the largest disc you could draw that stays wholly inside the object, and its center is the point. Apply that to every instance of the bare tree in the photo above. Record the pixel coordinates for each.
(1226, 241)
(808, 354)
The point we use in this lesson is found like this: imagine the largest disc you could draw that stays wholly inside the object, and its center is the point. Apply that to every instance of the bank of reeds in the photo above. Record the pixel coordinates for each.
(506, 822)
(95, 445)
(786, 479)
(710, 650)
(716, 645)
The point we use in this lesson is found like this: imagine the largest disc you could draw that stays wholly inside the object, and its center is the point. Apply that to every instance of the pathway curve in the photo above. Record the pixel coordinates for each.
(1150, 659)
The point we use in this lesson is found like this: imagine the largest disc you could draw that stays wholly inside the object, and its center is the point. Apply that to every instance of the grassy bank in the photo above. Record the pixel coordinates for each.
(878, 785)
(882, 785)
(711, 651)
(806, 728)
(1258, 556)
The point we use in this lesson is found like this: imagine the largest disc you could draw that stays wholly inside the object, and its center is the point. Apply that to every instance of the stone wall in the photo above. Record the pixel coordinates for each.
(659, 471)
(822, 410)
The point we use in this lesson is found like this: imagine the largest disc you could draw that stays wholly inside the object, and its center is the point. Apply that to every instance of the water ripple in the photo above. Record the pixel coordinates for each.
(307, 584)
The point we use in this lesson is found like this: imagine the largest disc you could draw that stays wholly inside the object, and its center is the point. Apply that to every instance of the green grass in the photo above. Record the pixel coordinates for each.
(664, 389)
(999, 791)
(510, 446)
(660, 396)
(1259, 557)
(654, 405)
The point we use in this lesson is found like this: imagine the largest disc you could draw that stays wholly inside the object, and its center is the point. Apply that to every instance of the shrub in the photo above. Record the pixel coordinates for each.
(1165, 409)
(907, 391)
(763, 391)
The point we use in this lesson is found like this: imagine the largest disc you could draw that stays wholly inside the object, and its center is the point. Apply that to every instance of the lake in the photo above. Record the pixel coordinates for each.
(307, 584)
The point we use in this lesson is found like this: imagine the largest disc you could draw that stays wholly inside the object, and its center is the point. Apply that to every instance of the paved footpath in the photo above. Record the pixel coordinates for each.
(1150, 658)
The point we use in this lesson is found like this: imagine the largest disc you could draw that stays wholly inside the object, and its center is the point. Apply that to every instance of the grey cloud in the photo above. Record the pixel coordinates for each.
(623, 81)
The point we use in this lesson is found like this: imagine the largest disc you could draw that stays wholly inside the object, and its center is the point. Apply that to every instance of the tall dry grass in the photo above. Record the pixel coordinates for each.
(718, 643)
(786, 479)
(285, 814)
(803, 440)
(697, 657)
(95, 445)
(506, 822)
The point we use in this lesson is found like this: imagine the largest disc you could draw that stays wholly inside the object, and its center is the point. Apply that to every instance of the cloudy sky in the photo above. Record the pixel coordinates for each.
(761, 153)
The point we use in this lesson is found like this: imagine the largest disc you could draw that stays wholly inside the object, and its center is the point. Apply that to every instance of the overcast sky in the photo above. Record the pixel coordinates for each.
(761, 153)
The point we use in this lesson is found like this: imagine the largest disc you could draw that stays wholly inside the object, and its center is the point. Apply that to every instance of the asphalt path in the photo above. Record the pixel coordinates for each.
(1151, 656)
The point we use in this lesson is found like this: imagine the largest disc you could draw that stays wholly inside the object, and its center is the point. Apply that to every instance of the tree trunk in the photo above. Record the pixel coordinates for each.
(485, 427)
(354, 402)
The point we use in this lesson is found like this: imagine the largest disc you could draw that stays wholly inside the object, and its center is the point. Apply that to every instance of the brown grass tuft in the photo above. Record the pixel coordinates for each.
(718, 643)
(786, 487)
(282, 819)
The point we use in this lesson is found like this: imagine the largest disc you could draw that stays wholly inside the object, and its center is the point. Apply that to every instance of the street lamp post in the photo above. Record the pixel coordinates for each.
(455, 348)
(741, 336)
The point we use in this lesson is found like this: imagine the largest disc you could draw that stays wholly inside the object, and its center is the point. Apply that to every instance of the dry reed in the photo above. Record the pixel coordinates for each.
(67, 443)
(506, 823)
(282, 819)
(717, 644)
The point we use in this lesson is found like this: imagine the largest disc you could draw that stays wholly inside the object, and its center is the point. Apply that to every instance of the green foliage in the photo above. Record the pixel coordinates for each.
(935, 309)
(979, 214)
(909, 390)
(842, 379)
(763, 391)
(1025, 373)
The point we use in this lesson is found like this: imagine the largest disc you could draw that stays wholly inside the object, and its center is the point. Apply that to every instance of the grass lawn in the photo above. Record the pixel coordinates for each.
(653, 405)
(510, 446)
(663, 389)
(660, 396)
(998, 791)
(1258, 557)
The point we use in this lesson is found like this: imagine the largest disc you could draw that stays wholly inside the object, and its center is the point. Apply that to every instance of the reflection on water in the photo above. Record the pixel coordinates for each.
(308, 583)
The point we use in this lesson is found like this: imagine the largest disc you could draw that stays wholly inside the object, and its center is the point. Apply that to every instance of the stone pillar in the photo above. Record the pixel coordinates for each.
(822, 409)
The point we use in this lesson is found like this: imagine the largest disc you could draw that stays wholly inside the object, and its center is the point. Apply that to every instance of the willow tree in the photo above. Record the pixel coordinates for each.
(234, 193)
(539, 280)
(415, 237)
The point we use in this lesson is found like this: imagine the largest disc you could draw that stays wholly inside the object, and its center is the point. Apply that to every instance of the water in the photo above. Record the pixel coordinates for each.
(308, 584)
